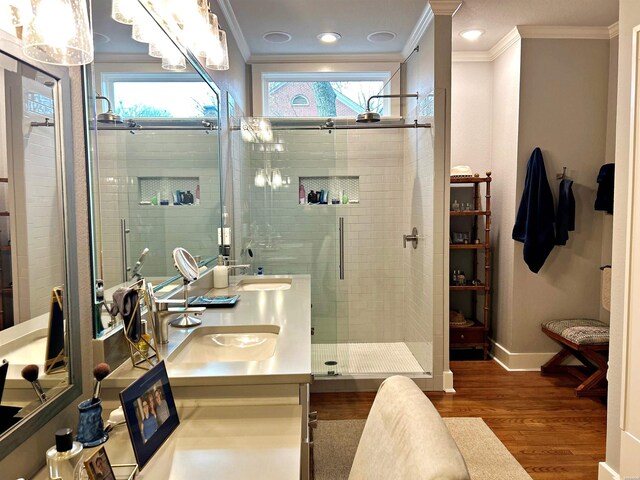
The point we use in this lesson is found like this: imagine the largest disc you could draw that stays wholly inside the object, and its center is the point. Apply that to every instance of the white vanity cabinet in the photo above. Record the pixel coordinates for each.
(240, 419)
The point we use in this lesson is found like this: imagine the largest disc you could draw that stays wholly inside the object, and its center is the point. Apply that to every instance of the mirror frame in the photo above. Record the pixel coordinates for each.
(16, 435)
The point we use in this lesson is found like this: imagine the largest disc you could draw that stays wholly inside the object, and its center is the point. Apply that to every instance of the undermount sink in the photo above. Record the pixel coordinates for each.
(258, 284)
(227, 343)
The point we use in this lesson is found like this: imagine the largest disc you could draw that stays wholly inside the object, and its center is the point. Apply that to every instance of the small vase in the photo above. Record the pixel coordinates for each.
(90, 427)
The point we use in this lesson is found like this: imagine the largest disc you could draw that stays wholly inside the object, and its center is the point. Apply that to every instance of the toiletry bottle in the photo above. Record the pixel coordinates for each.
(145, 339)
(301, 194)
(220, 274)
(462, 280)
(455, 207)
(260, 271)
(311, 197)
(198, 194)
(64, 459)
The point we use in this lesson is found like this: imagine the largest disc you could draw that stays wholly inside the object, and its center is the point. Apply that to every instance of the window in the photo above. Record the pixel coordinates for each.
(300, 100)
(160, 95)
(329, 99)
(323, 90)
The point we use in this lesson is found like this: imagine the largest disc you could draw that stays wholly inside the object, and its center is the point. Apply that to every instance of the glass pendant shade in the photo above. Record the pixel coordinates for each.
(217, 54)
(260, 180)
(18, 12)
(58, 33)
(125, 11)
(174, 61)
(144, 29)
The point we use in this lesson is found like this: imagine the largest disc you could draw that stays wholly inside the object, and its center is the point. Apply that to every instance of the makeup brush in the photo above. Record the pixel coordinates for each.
(99, 373)
(30, 374)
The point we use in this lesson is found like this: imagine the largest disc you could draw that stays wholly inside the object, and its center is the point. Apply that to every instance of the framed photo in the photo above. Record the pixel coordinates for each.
(55, 354)
(98, 466)
(150, 412)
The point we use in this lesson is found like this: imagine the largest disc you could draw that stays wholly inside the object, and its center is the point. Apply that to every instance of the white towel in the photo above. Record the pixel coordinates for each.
(606, 289)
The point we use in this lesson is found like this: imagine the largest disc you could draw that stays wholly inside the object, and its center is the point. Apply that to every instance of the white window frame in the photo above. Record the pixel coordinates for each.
(292, 72)
(107, 79)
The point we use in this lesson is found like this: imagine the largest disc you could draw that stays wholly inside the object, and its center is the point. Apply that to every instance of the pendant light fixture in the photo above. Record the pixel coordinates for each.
(126, 11)
(217, 53)
(58, 33)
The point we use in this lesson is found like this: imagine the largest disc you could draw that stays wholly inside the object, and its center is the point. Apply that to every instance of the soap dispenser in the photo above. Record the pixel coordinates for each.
(220, 274)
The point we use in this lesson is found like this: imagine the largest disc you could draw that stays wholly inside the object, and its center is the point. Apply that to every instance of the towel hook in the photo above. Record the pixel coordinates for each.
(563, 175)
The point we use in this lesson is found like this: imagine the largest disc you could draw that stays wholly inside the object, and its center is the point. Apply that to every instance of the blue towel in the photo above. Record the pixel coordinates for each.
(566, 217)
(604, 197)
(534, 222)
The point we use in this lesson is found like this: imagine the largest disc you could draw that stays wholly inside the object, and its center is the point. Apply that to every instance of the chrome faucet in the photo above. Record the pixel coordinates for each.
(162, 309)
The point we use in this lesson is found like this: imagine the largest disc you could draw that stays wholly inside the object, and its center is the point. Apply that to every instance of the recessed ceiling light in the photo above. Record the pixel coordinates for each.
(329, 37)
(383, 36)
(276, 37)
(100, 39)
(472, 34)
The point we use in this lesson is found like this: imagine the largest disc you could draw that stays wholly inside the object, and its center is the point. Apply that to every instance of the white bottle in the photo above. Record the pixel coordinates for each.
(64, 459)
(220, 274)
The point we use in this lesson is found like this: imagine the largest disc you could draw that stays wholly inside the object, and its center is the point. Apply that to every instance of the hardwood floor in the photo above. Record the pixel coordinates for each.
(553, 434)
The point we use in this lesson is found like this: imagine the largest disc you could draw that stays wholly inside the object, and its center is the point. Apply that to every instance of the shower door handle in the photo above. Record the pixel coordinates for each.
(341, 238)
(123, 244)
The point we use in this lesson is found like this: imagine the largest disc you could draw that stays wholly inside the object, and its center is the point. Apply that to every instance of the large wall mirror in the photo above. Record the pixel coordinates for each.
(155, 155)
(39, 333)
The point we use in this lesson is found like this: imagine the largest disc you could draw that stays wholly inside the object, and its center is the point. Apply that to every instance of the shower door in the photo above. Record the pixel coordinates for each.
(283, 235)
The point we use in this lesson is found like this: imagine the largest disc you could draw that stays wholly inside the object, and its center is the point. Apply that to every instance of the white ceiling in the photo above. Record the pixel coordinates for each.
(498, 17)
(355, 19)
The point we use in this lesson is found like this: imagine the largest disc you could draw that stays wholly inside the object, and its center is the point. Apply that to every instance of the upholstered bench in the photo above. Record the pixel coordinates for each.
(588, 341)
(405, 438)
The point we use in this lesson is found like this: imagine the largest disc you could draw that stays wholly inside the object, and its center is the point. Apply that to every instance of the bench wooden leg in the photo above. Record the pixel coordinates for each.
(588, 388)
(592, 374)
(554, 365)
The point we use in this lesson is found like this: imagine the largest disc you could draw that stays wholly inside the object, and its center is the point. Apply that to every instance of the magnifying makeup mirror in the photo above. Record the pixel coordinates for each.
(188, 268)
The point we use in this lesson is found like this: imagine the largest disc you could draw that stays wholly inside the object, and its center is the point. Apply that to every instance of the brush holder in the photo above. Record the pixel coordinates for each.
(90, 427)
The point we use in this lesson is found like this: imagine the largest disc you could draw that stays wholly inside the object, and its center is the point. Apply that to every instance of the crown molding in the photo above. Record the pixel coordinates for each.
(504, 43)
(445, 7)
(234, 26)
(614, 30)
(579, 33)
(418, 31)
(323, 58)
(533, 31)
(488, 55)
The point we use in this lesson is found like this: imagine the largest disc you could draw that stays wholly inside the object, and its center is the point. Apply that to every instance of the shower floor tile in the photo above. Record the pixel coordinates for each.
(358, 358)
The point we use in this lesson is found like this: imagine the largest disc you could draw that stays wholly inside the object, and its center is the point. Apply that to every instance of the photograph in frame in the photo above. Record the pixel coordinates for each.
(150, 412)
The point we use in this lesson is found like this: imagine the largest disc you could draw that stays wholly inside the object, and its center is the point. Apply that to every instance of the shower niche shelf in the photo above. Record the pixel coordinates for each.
(335, 185)
(165, 188)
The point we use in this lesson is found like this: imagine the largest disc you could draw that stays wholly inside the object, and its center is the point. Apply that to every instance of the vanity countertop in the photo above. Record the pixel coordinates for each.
(220, 442)
(291, 362)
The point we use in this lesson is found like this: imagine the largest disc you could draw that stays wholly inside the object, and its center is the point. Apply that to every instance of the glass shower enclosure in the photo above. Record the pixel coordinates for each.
(333, 200)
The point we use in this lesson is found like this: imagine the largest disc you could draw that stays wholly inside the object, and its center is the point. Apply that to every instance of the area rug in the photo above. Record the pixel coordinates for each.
(336, 441)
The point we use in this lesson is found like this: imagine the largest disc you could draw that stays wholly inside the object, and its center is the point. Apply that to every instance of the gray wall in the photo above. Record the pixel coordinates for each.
(563, 110)
(504, 146)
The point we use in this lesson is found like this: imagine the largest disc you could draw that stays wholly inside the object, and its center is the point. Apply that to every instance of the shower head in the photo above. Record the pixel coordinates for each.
(369, 117)
(108, 116)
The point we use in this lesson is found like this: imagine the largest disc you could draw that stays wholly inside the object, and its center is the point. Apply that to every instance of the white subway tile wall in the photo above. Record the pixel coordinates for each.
(374, 303)
(123, 159)
(35, 184)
